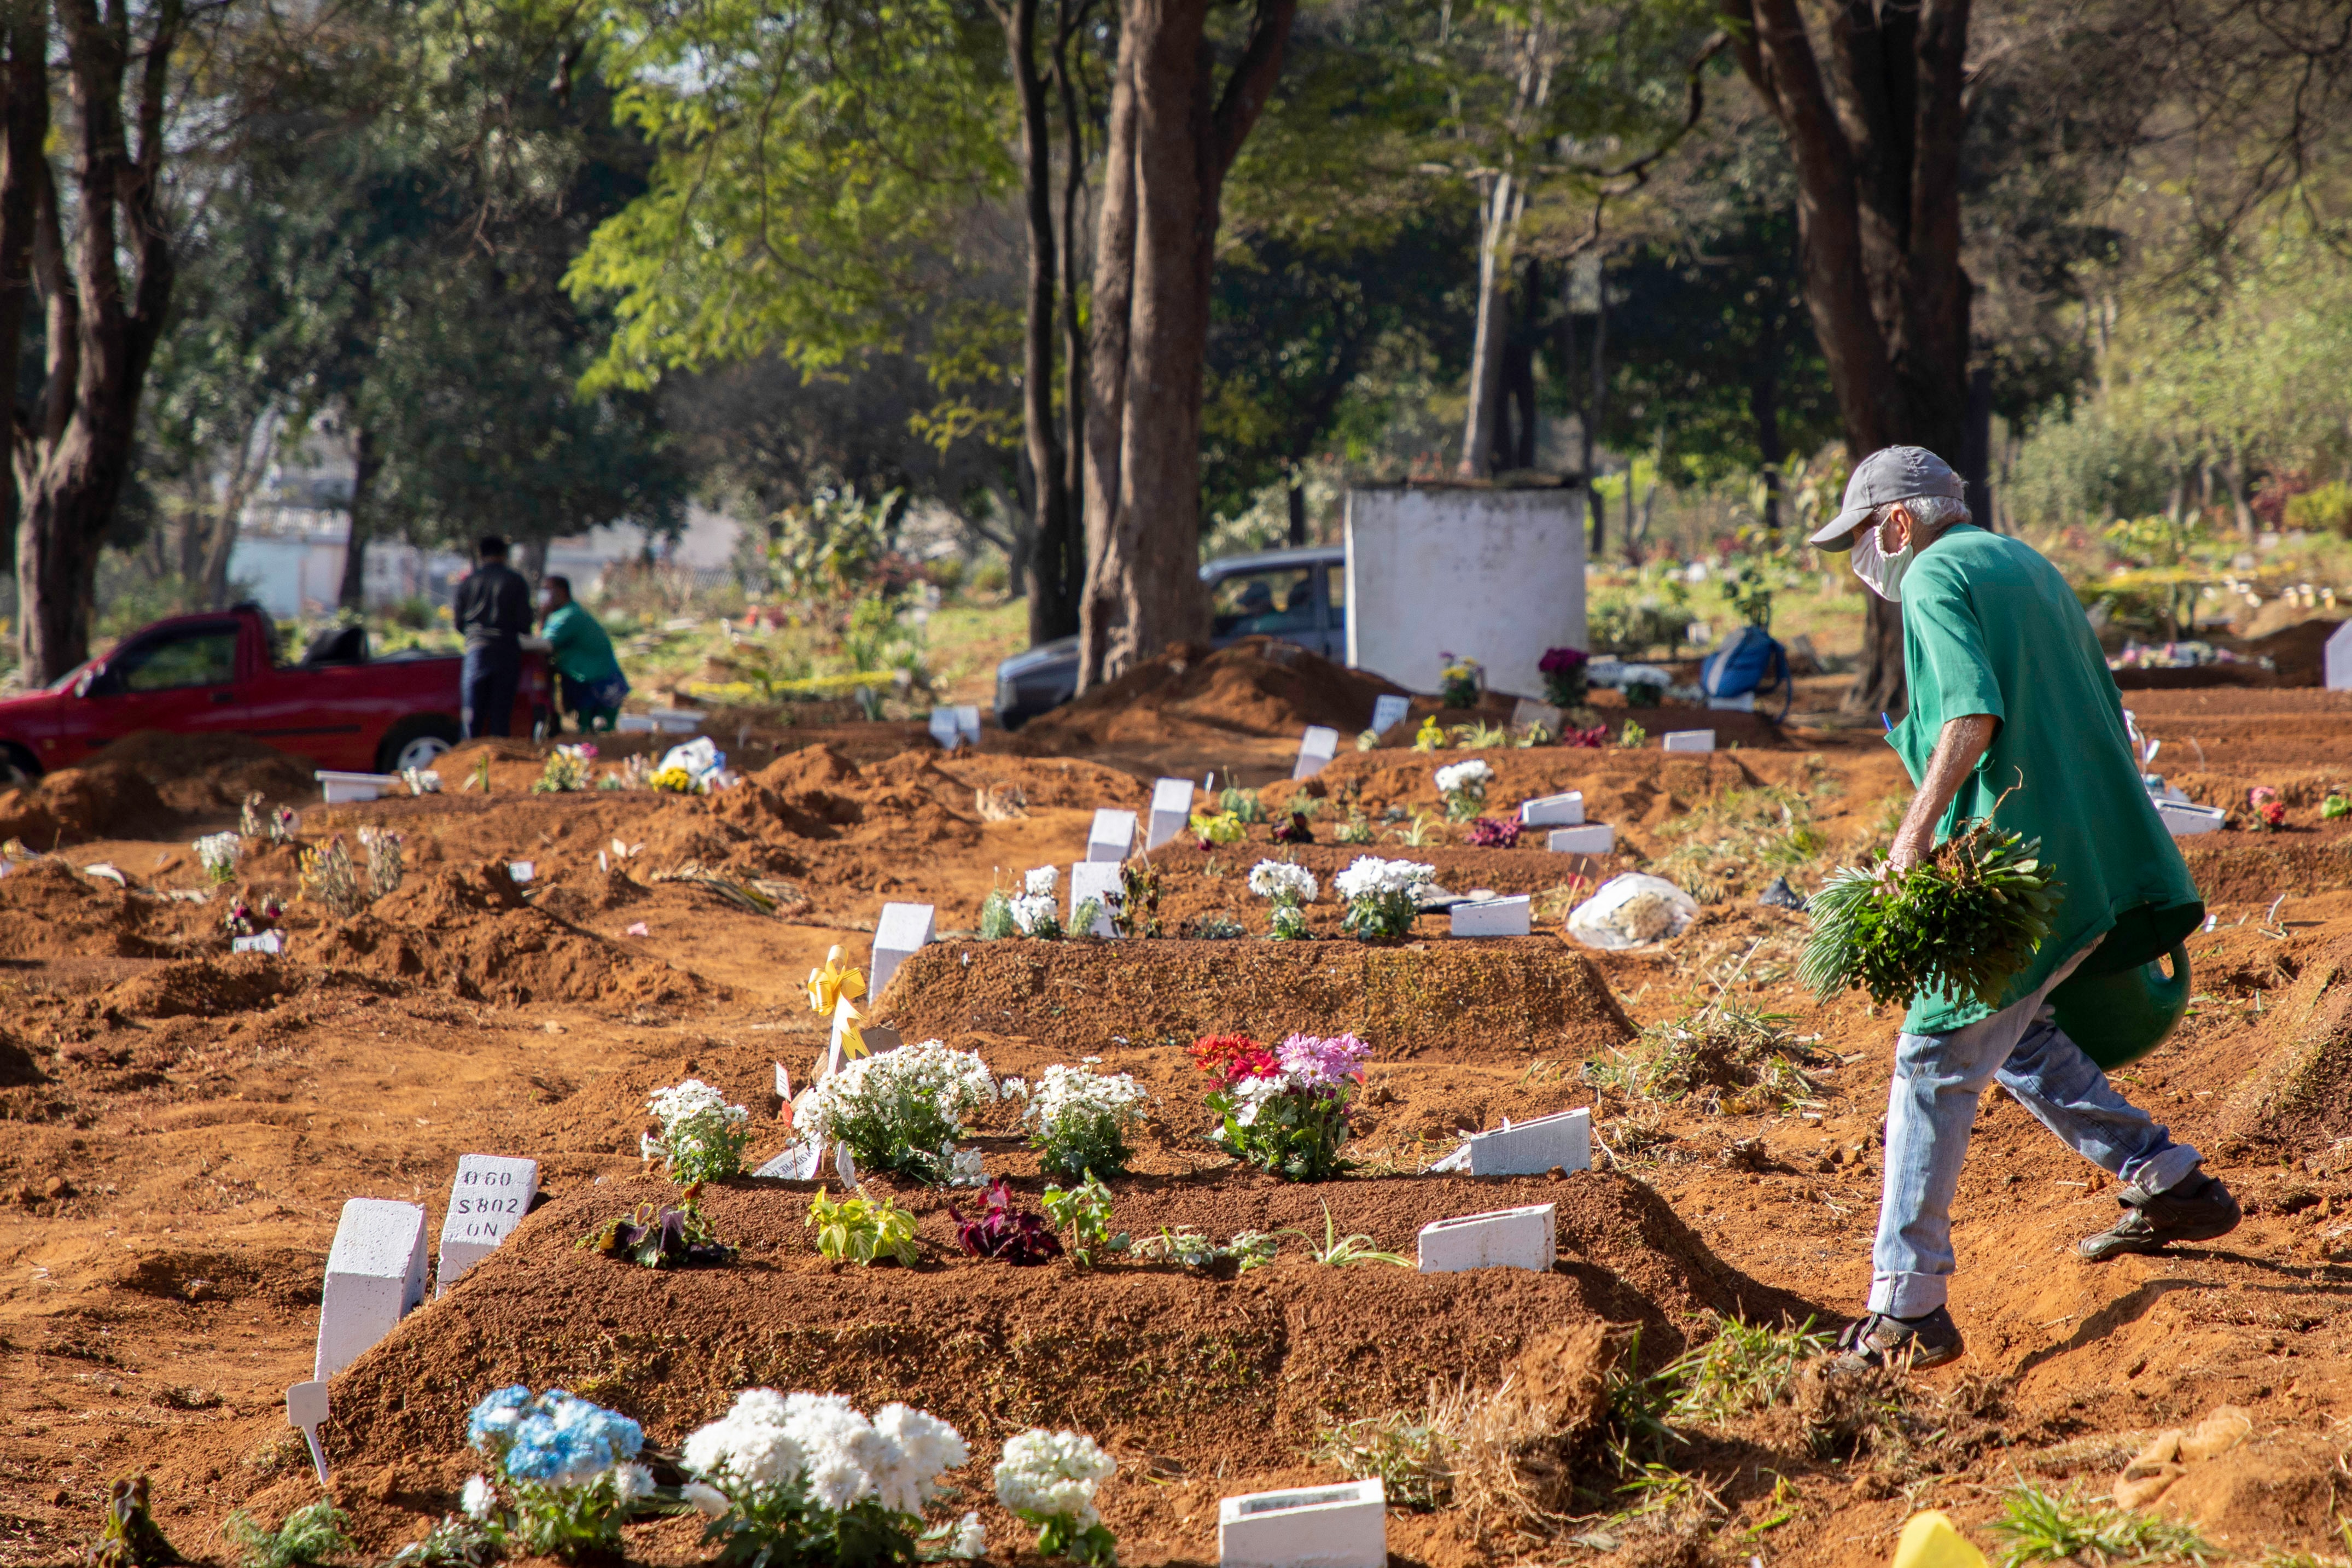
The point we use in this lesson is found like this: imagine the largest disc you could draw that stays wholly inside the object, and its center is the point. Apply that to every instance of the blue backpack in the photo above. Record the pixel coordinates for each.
(1748, 658)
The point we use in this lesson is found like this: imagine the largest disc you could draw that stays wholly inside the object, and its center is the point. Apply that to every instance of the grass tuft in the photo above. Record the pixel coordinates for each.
(308, 1536)
(1746, 1367)
(2052, 1527)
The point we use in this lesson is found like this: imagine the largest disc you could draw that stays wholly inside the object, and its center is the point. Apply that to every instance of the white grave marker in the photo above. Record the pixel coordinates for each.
(1389, 711)
(1528, 1148)
(375, 1273)
(1095, 879)
(521, 871)
(2337, 657)
(306, 1409)
(1112, 837)
(1687, 740)
(1343, 1526)
(967, 717)
(2182, 818)
(799, 1162)
(903, 929)
(944, 728)
(486, 1201)
(260, 942)
(1505, 1239)
(1589, 839)
(1493, 917)
(1553, 810)
(1172, 809)
(1316, 750)
(346, 789)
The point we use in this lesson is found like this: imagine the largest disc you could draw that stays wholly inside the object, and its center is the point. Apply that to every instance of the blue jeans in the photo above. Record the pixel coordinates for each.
(486, 689)
(1932, 1105)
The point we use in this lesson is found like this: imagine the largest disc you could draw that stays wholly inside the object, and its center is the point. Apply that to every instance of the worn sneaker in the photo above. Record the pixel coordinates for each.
(1882, 1339)
(2198, 1210)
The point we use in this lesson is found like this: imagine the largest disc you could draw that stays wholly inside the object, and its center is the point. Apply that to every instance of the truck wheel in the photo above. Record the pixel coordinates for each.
(415, 743)
(19, 769)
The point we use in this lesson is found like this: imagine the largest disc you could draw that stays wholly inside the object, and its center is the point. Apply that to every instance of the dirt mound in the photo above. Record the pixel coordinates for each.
(472, 933)
(49, 910)
(2304, 1095)
(211, 772)
(1257, 687)
(2245, 868)
(208, 987)
(1502, 1000)
(75, 805)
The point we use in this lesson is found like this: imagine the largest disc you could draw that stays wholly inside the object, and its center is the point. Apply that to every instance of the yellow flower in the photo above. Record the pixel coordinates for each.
(833, 991)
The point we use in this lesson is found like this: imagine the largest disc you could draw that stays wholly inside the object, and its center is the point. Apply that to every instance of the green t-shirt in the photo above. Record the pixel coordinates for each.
(1990, 627)
(578, 647)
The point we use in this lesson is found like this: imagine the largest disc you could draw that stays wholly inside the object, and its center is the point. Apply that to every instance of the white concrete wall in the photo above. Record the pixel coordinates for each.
(1497, 575)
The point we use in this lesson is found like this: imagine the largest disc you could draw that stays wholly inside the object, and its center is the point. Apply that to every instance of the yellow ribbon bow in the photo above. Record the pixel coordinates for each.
(834, 990)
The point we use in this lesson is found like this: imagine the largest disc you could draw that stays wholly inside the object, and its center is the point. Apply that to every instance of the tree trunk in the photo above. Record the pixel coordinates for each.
(71, 456)
(1499, 232)
(1596, 408)
(2233, 473)
(1172, 137)
(1297, 513)
(365, 466)
(252, 461)
(1764, 408)
(1072, 568)
(1875, 127)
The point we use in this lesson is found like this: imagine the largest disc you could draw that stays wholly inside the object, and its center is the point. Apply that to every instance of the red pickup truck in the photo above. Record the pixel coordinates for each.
(211, 673)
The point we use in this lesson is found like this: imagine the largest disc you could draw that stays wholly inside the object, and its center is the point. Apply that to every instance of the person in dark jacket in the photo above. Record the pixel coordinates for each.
(493, 613)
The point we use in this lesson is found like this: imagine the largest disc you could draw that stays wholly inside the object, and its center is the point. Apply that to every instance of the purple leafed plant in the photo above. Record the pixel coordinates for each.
(1493, 833)
(1294, 831)
(1002, 1231)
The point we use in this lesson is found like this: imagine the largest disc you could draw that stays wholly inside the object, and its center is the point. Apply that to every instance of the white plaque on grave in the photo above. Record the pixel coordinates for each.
(260, 942)
(1565, 811)
(1526, 1148)
(1589, 839)
(799, 1162)
(306, 1408)
(903, 929)
(1344, 1526)
(944, 728)
(1099, 880)
(1389, 711)
(1507, 1239)
(967, 717)
(1111, 837)
(1493, 917)
(2338, 657)
(1171, 808)
(1527, 711)
(521, 871)
(375, 1273)
(486, 1201)
(1687, 740)
(2182, 818)
(1316, 750)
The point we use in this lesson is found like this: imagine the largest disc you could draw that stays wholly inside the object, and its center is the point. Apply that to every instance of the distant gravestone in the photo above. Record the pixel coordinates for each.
(2182, 818)
(376, 1274)
(902, 928)
(1527, 711)
(1505, 1239)
(1493, 917)
(1688, 740)
(1344, 1526)
(1526, 1148)
(944, 728)
(967, 717)
(2339, 658)
(520, 871)
(1389, 711)
(1171, 808)
(486, 1201)
(1111, 837)
(259, 942)
(1589, 839)
(1565, 811)
(1316, 749)
(1095, 879)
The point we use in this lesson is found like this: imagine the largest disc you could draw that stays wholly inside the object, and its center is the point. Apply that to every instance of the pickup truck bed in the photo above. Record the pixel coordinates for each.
(218, 674)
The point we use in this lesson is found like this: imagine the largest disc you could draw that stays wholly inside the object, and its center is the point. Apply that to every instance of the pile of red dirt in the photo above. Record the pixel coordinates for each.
(1504, 1001)
(2256, 868)
(75, 805)
(208, 987)
(472, 934)
(1256, 687)
(202, 773)
(2303, 1093)
(49, 910)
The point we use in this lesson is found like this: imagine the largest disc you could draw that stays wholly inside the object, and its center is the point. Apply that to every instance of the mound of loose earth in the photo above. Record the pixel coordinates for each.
(49, 910)
(75, 805)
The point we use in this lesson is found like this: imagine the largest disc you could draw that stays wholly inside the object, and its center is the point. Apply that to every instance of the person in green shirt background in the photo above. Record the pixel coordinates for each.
(593, 688)
(2013, 716)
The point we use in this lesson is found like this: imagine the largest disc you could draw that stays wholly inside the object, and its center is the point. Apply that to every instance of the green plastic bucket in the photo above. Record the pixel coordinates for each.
(2122, 1017)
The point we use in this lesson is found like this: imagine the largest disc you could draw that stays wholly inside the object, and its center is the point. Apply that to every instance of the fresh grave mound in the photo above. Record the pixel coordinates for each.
(2304, 1095)
(1256, 686)
(2240, 869)
(472, 933)
(1509, 999)
(75, 805)
(1625, 787)
(209, 772)
(50, 910)
(208, 987)
(1196, 883)
(1191, 1365)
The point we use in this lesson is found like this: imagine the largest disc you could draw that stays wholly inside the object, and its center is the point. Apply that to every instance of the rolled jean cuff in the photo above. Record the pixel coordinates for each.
(1909, 1295)
(2165, 1169)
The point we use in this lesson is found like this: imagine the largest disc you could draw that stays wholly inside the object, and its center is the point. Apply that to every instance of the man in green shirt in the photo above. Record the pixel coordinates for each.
(593, 688)
(2013, 716)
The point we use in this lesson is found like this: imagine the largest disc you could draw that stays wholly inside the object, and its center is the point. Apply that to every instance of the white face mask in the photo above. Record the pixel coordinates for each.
(1883, 573)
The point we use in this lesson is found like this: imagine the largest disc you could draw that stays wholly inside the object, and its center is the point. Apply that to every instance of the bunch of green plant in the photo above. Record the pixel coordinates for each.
(1078, 1121)
(1733, 1055)
(1460, 683)
(1242, 805)
(1218, 828)
(702, 1136)
(1965, 921)
(1430, 737)
(308, 1536)
(1218, 928)
(1745, 1366)
(1356, 830)
(996, 922)
(1083, 1211)
(129, 1536)
(1189, 1248)
(565, 771)
(838, 546)
(1479, 736)
(861, 1229)
(480, 778)
(658, 1237)
(2327, 509)
(1340, 1251)
(452, 1543)
(1632, 735)
(901, 1110)
(1415, 836)
(2051, 1527)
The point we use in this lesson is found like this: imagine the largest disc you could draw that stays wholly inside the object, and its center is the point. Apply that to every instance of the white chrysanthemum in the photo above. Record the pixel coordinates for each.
(631, 1482)
(1250, 1095)
(1048, 1473)
(845, 1454)
(1371, 877)
(951, 1082)
(969, 1542)
(692, 1098)
(479, 1497)
(218, 851)
(706, 1500)
(1066, 1092)
(922, 1446)
(750, 1445)
(1281, 880)
(1472, 775)
(1039, 882)
(1033, 911)
(966, 1167)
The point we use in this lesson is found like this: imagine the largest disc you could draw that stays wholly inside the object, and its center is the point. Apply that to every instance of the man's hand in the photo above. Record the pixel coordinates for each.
(1958, 749)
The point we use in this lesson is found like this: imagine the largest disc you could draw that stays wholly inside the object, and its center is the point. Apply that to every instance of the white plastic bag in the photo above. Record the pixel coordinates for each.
(700, 756)
(1631, 910)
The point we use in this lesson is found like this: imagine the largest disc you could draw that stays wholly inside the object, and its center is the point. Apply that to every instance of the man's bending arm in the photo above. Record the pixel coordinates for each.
(1958, 751)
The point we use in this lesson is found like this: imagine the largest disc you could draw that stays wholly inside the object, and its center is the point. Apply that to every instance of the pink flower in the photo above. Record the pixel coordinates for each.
(1314, 1062)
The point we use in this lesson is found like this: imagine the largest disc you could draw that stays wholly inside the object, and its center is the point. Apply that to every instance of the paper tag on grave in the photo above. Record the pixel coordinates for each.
(306, 1408)
(844, 1167)
(265, 942)
(520, 871)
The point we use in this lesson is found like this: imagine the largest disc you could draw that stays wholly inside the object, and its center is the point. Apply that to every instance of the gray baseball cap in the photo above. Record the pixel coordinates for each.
(1889, 474)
